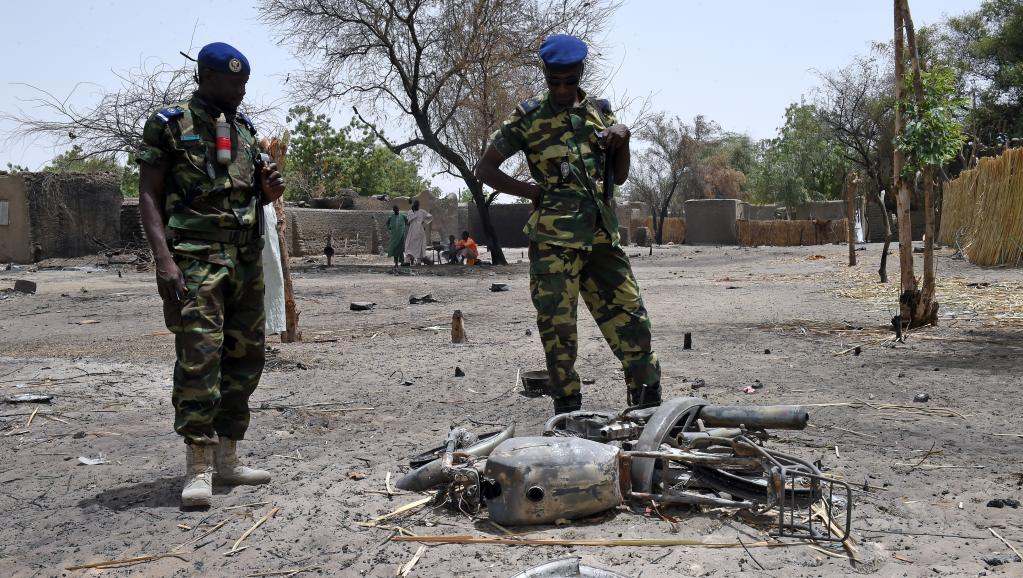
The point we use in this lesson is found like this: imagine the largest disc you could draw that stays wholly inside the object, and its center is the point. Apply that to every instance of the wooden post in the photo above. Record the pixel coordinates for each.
(850, 216)
(457, 327)
(908, 290)
(291, 332)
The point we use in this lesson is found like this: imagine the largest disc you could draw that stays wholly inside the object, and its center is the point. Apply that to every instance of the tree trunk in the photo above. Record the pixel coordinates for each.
(926, 310)
(659, 234)
(496, 253)
(882, 270)
(909, 295)
(291, 313)
(850, 216)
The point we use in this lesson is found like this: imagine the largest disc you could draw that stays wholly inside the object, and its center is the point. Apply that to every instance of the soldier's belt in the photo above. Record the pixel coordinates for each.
(227, 236)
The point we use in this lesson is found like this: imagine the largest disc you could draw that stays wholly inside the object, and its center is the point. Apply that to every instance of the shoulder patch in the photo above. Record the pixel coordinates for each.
(171, 112)
(528, 106)
(603, 105)
(248, 123)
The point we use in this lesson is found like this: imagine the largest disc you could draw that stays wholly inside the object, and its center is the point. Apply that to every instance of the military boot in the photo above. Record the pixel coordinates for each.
(198, 476)
(230, 471)
(568, 404)
(644, 396)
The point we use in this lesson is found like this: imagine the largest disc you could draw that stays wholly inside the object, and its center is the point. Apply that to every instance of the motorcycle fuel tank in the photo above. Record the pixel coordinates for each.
(538, 480)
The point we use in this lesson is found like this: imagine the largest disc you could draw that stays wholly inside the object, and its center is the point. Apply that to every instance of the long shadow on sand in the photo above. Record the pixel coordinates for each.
(161, 493)
(990, 351)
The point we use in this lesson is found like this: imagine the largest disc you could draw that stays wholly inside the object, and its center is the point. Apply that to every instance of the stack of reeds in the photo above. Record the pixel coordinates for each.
(674, 229)
(982, 210)
(957, 206)
(791, 233)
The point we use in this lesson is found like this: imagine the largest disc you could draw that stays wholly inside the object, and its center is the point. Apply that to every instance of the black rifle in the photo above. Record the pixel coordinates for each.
(262, 160)
(609, 177)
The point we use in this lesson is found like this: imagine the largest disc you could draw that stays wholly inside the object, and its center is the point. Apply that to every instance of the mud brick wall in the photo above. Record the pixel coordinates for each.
(15, 231)
(353, 231)
(875, 224)
(752, 212)
(132, 232)
(508, 220)
(833, 210)
(445, 219)
(712, 221)
(59, 215)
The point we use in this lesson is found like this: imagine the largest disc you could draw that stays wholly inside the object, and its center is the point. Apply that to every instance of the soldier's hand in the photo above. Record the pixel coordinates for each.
(272, 182)
(616, 136)
(534, 193)
(170, 282)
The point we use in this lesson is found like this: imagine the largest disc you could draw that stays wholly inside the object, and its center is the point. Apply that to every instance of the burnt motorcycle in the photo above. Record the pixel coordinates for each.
(685, 452)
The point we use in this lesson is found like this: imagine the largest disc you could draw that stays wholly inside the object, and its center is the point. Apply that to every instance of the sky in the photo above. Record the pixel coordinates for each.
(737, 62)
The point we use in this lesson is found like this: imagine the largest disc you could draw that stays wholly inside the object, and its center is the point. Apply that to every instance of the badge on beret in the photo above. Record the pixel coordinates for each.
(235, 65)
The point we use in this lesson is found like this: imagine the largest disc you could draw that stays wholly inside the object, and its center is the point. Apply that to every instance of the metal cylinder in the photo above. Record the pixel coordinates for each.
(767, 417)
(223, 141)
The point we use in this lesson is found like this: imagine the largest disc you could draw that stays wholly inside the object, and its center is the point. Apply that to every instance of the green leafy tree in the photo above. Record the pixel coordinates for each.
(802, 164)
(74, 160)
(323, 160)
(933, 133)
(987, 47)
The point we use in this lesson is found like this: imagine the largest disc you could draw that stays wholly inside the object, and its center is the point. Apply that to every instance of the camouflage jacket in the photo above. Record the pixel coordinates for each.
(565, 159)
(211, 210)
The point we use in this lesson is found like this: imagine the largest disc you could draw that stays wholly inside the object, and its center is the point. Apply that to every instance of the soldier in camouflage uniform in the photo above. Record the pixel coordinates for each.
(573, 231)
(202, 217)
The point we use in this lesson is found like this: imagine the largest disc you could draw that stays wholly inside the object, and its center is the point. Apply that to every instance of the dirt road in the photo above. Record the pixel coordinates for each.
(94, 339)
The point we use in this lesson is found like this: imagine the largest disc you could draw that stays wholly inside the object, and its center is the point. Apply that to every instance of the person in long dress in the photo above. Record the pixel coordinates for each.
(397, 224)
(415, 239)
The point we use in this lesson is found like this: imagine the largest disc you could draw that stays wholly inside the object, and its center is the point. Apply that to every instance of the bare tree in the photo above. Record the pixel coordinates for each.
(113, 125)
(856, 104)
(451, 70)
(670, 163)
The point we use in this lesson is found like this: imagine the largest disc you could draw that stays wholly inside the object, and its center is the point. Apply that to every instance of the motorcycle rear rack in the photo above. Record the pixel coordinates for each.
(821, 522)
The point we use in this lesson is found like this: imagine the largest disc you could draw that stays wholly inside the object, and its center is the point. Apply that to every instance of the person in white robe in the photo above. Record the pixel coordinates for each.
(415, 238)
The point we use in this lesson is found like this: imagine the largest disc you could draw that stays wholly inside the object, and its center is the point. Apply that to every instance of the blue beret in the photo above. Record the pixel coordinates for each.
(562, 51)
(223, 58)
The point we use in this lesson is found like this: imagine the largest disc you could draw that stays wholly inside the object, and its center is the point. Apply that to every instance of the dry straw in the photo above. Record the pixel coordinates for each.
(674, 228)
(781, 233)
(982, 211)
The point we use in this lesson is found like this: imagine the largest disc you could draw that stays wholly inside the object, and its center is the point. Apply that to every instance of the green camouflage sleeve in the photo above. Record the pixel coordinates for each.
(156, 139)
(510, 138)
(609, 117)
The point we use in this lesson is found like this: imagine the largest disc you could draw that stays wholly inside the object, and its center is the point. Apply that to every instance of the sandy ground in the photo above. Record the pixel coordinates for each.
(94, 338)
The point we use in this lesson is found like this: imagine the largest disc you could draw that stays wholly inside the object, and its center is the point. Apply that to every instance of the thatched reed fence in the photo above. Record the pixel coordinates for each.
(982, 211)
(791, 233)
(674, 229)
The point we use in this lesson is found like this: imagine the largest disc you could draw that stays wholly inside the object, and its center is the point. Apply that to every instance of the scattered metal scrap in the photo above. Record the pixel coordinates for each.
(567, 568)
(684, 452)
(29, 398)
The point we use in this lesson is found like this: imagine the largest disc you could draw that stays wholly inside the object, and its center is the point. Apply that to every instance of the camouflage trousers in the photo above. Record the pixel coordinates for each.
(219, 341)
(557, 275)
